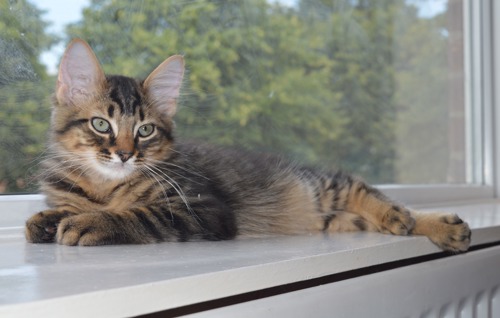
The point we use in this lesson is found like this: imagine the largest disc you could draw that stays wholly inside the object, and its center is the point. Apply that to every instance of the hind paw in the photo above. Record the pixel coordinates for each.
(455, 235)
(398, 221)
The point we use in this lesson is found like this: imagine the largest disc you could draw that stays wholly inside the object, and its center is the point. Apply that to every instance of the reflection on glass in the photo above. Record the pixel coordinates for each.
(372, 87)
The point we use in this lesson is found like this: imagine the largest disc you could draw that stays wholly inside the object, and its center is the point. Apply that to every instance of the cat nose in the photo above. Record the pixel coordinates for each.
(124, 155)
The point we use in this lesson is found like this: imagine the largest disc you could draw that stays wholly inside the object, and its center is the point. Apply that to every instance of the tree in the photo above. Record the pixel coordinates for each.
(256, 77)
(358, 38)
(24, 91)
(327, 82)
(422, 116)
(391, 71)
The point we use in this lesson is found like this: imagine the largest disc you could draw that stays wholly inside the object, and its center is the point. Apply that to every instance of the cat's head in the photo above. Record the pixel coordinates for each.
(112, 126)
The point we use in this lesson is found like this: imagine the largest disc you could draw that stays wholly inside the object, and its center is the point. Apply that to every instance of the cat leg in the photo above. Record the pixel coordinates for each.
(342, 192)
(151, 224)
(137, 226)
(347, 222)
(448, 232)
(42, 227)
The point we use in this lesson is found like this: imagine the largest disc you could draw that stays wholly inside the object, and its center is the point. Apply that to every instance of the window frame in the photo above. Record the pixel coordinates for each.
(481, 41)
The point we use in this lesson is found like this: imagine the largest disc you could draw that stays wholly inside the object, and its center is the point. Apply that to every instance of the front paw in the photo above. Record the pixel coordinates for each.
(42, 227)
(84, 229)
(92, 229)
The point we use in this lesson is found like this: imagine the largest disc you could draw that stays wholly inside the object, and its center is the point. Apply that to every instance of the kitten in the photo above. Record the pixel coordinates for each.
(115, 175)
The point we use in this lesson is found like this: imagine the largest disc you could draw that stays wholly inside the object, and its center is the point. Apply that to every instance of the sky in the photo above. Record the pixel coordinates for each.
(59, 13)
(63, 12)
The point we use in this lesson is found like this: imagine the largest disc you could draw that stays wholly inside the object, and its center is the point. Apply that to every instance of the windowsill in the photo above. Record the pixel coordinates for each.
(50, 279)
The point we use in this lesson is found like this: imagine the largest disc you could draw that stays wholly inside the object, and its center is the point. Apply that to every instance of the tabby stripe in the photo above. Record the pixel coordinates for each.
(105, 152)
(72, 124)
(167, 213)
(146, 143)
(181, 228)
(112, 139)
(360, 224)
(160, 217)
(317, 200)
(119, 225)
(171, 193)
(370, 190)
(71, 188)
(116, 188)
(136, 141)
(335, 202)
(114, 95)
(113, 218)
(177, 223)
(166, 133)
(111, 111)
(125, 94)
(97, 140)
(147, 224)
(147, 193)
(361, 187)
(136, 103)
(327, 220)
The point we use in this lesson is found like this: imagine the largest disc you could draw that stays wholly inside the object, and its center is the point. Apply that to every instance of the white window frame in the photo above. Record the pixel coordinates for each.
(482, 95)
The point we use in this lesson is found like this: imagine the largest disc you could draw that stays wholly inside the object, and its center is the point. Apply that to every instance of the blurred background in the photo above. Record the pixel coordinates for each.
(375, 88)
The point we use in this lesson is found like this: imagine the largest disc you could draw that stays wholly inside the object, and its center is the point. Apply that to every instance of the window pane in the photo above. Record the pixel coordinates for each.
(372, 87)
(429, 94)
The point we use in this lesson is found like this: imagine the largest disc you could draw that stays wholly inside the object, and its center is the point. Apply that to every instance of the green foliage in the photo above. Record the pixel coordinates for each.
(24, 91)
(327, 82)
(423, 101)
(22, 40)
(266, 76)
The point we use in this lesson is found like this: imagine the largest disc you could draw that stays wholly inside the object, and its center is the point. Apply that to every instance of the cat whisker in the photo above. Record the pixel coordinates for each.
(53, 169)
(72, 168)
(175, 186)
(70, 162)
(165, 163)
(159, 163)
(151, 176)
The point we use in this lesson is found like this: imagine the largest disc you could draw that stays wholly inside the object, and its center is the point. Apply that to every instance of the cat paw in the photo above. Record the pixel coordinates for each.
(451, 233)
(42, 227)
(85, 229)
(398, 221)
(93, 229)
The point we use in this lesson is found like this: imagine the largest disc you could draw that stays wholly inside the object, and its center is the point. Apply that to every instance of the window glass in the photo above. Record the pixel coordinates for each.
(373, 87)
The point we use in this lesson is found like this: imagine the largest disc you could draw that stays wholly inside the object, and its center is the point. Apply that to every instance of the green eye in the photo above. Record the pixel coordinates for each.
(146, 130)
(101, 125)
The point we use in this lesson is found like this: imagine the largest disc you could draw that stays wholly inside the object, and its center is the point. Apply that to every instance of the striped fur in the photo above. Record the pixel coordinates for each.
(110, 180)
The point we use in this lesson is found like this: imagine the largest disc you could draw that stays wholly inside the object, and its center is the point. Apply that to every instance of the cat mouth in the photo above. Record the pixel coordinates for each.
(119, 165)
(115, 170)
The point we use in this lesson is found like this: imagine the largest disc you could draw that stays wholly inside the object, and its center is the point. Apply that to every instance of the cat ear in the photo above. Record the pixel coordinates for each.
(164, 83)
(80, 74)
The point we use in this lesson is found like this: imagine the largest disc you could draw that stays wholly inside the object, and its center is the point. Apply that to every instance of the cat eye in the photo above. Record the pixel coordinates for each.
(101, 125)
(146, 130)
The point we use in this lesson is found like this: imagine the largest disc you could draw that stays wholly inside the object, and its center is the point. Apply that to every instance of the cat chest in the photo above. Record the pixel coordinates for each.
(123, 197)
(92, 198)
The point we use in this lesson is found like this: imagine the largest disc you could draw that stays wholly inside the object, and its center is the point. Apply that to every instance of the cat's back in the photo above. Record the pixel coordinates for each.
(233, 165)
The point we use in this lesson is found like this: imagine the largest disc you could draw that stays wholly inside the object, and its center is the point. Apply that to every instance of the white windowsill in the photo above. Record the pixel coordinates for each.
(111, 281)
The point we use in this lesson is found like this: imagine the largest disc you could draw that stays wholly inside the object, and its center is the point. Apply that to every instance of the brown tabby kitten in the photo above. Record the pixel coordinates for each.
(116, 176)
